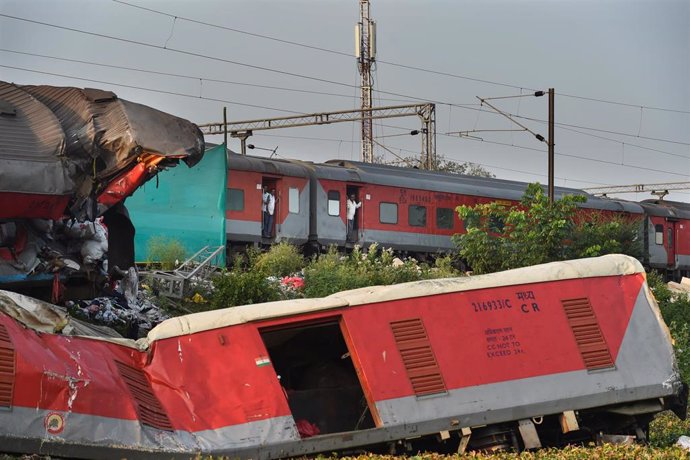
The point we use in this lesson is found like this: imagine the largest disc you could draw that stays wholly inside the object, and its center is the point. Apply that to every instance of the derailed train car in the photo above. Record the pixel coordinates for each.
(536, 356)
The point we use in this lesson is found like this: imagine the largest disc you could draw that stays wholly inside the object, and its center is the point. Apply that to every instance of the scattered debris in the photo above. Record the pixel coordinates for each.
(133, 318)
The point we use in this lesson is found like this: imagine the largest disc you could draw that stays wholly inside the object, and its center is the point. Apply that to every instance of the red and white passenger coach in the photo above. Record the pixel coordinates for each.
(543, 355)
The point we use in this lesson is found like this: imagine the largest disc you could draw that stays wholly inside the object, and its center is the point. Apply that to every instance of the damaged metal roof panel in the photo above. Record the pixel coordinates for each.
(34, 177)
(99, 125)
(63, 146)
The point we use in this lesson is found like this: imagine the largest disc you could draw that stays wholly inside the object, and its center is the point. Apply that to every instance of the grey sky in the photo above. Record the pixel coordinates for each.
(635, 52)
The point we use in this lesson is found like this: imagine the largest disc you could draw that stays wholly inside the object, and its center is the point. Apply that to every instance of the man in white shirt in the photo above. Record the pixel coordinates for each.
(270, 211)
(352, 206)
(264, 213)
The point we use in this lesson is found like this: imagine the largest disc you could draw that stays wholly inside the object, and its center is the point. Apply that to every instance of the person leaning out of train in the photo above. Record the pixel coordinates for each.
(352, 205)
(270, 212)
(264, 213)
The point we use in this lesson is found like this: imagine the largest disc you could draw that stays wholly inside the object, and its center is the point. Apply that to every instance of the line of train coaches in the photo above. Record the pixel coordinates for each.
(408, 209)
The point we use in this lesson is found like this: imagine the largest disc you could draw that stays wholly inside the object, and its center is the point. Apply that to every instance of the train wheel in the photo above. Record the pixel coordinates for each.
(497, 438)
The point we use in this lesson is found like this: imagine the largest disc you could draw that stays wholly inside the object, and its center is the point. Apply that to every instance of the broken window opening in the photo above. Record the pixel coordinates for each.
(319, 379)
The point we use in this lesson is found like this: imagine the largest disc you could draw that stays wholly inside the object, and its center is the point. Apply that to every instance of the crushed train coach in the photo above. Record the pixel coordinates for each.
(77, 153)
(537, 356)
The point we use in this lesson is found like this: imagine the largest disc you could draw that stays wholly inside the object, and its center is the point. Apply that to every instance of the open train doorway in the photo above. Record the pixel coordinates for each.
(353, 194)
(318, 377)
(270, 214)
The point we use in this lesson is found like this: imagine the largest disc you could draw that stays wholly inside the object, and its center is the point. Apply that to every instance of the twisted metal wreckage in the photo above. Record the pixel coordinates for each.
(68, 159)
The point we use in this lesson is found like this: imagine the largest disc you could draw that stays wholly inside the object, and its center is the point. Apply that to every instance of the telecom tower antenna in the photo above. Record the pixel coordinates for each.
(365, 52)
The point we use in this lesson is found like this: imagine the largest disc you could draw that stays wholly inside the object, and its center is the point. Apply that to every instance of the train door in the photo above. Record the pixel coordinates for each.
(268, 223)
(318, 376)
(671, 243)
(357, 227)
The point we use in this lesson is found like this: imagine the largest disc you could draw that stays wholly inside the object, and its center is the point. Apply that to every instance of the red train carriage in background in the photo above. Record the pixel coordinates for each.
(246, 178)
(409, 209)
(667, 236)
(539, 356)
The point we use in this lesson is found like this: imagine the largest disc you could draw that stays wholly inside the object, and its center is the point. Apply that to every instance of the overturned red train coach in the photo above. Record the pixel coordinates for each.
(543, 355)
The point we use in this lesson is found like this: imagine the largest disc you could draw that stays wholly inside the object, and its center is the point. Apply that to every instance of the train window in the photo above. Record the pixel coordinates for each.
(444, 218)
(333, 203)
(669, 237)
(235, 199)
(388, 213)
(293, 200)
(416, 216)
(659, 234)
(496, 224)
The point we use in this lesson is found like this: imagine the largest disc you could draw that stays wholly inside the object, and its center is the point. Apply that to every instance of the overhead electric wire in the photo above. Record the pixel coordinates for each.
(151, 89)
(190, 77)
(189, 53)
(285, 73)
(569, 155)
(637, 106)
(589, 128)
(410, 67)
(624, 143)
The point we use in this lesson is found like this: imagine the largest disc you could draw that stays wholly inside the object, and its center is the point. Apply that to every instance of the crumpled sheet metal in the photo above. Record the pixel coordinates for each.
(32, 148)
(98, 124)
(45, 317)
(53, 138)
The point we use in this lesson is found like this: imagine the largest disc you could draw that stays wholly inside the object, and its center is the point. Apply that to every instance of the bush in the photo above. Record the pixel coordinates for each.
(168, 251)
(500, 237)
(239, 287)
(282, 259)
(332, 273)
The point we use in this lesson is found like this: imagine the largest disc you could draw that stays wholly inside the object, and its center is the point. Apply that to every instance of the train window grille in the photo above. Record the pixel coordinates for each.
(588, 336)
(444, 218)
(669, 237)
(7, 368)
(659, 234)
(418, 357)
(235, 199)
(416, 215)
(333, 203)
(148, 407)
(388, 213)
(293, 200)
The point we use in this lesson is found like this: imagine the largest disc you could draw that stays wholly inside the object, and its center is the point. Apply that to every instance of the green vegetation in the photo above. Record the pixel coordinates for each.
(500, 237)
(282, 259)
(169, 252)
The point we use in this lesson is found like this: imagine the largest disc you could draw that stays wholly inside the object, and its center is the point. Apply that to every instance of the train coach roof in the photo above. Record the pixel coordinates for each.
(609, 265)
(663, 208)
(453, 183)
(266, 165)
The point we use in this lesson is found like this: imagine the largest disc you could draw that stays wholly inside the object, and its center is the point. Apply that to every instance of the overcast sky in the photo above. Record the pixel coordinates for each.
(629, 52)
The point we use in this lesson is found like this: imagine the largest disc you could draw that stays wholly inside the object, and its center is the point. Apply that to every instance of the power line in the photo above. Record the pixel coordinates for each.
(604, 101)
(204, 56)
(394, 64)
(190, 77)
(607, 131)
(569, 155)
(150, 89)
(189, 53)
(625, 143)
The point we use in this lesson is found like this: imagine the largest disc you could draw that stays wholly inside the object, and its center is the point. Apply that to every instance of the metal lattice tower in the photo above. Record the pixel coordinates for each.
(365, 51)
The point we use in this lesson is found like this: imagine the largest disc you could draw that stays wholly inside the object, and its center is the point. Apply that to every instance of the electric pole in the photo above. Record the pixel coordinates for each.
(365, 52)
(551, 144)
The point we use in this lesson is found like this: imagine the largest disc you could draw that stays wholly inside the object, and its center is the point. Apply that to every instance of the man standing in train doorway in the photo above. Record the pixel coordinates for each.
(351, 207)
(264, 211)
(270, 212)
